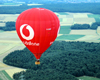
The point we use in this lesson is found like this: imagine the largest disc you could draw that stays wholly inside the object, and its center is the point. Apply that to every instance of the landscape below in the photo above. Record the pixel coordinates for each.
(64, 60)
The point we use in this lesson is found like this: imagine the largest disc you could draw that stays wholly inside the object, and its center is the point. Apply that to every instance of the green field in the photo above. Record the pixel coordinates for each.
(62, 13)
(1, 31)
(95, 16)
(10, 4)
(61, 19)
(87, 78)
(69, 37)
(4, 76)
(64, 30)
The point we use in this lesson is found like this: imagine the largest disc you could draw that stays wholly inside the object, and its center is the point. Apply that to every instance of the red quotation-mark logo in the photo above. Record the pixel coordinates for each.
(31, 32)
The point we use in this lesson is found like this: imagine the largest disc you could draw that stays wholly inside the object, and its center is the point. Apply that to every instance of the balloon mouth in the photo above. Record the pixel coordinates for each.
(37, 62)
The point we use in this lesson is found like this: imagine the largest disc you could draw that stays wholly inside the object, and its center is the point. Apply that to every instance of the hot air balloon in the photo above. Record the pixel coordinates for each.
(37, 28)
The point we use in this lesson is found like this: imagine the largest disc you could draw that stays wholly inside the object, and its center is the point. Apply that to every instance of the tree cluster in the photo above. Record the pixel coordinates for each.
(8, 27)
(74, 58)
(94, 26)
(80, 26)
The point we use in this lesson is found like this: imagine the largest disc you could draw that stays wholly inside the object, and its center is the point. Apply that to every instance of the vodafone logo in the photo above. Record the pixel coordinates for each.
(31, 32)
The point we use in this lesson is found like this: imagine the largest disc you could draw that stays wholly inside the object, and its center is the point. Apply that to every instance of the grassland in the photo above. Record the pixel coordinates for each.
(87, 78)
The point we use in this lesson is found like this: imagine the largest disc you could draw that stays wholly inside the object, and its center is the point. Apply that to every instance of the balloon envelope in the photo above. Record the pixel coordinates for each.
(37, 28)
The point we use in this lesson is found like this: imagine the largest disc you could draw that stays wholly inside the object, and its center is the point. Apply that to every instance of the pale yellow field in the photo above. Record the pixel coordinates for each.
(7, 35)
(59, 35)
(78, 15)
(9, 41)
(2, 24)
(75, 18)
(83, 32)
(98, 30)
(62, 16)
(5, 47)
(2, 65)
(84, 20)
(8, 17)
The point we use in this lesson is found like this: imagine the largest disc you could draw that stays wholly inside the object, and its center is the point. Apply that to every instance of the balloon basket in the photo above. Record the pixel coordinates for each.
(37, 62)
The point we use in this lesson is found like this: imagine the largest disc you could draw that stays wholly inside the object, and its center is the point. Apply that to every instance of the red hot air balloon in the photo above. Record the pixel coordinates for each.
(37, 28)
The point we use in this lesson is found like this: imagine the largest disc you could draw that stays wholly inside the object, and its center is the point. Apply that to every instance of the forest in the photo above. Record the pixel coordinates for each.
(94, 26)
(62, 59)
(55, 7)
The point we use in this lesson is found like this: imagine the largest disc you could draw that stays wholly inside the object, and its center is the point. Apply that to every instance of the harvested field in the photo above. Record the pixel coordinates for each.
(98, 30)
(4, 47)
(2, 24)
(9, 41)
(2, 17)
(59, 35)
(84, 32)
(67, 18)
(7, 35)
(67, 21)
(8, 17)
(84, 20)
(62, 16)
(4, 76)
(12, 71)
(78, 15)
(2, 65)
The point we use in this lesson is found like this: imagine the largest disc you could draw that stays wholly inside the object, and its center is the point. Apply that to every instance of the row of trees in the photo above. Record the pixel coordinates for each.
(74, 58)
(94, 26)
(56, 7)
(11, 26)
(8, 27)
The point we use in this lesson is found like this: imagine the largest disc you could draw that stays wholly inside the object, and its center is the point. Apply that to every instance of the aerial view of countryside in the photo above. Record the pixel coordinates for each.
(75, 53)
